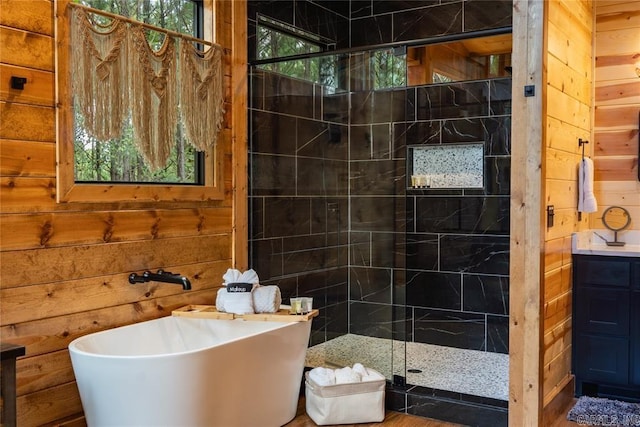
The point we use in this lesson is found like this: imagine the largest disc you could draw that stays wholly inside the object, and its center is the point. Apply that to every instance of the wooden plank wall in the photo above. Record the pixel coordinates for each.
(567, 117)
(64, 267)
(617, 105)
(525, 227)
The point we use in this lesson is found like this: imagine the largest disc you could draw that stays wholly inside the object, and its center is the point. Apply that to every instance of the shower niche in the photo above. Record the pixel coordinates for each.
(447, 166)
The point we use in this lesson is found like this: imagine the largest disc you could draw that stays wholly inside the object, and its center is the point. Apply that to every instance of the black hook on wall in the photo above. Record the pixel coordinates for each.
(582, 143)
(18, 82)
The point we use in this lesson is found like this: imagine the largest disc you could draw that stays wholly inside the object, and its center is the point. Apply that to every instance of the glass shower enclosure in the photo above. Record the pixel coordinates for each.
(382, 191)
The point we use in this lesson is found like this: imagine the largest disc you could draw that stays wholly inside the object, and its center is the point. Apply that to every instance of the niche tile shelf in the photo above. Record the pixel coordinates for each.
(448, 166)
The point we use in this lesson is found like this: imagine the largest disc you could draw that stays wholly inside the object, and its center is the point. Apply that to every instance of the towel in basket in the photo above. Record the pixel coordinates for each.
(361, 402)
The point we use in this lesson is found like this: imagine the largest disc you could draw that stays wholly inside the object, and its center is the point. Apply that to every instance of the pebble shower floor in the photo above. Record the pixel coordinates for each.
(471, 372)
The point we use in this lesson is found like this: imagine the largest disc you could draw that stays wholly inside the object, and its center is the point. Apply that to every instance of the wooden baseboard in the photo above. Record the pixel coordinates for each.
(558, 406)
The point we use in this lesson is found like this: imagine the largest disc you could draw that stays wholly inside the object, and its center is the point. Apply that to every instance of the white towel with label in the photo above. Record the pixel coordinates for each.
(237, 298)
(261, 299)
(586, 199)
(237, 294)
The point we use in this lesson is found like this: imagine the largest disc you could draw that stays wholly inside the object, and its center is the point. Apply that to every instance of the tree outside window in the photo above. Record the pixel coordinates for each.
(118, 160)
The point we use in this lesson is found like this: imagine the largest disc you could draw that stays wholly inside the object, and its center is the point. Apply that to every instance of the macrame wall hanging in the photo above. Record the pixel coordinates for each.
(201, 101)
(117, 73)
(99, 66)
(154, 110)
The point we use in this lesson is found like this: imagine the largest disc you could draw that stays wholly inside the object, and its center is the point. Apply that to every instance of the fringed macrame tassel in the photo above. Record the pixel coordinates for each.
(153, 98)
(201, 95)
(99, 68)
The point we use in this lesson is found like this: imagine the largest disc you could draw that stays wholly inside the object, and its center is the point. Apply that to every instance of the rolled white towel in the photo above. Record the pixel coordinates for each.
(347, 375)
(359, 368)
(372, 376)
(323, 376)
(267, 299)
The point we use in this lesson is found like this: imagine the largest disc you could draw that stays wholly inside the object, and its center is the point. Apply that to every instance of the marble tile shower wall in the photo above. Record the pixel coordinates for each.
(299, 195)
(430, 265)
(378, 21)
(457, 259)
(302, 176)
(442, 254)
(362, 23)
(298, 159)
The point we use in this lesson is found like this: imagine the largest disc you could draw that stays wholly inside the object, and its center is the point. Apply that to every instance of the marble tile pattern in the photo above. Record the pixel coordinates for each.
(449, 166)
(332, 214)
(379, 22)
(329, 195)
(298, 203)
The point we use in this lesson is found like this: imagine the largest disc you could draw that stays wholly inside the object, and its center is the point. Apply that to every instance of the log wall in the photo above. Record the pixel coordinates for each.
(65, 266)
(617, 108)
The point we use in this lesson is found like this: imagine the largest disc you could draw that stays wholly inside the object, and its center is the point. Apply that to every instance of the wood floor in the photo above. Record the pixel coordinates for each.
(396, 419)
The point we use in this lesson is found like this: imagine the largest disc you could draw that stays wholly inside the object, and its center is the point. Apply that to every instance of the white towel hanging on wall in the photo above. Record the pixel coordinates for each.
(586, 199)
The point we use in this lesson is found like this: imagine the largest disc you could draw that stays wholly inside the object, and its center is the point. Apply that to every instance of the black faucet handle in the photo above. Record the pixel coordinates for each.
(135, 278)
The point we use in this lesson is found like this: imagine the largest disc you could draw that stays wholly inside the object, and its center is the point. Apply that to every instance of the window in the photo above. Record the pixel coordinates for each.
(389, 69)
(90, 169)
(118, 160)
(279, 40)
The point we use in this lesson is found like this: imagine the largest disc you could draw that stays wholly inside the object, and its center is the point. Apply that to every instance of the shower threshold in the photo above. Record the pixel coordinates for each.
(472, 372)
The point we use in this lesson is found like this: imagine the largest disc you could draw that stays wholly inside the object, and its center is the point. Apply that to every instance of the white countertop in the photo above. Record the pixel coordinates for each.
(593, 242)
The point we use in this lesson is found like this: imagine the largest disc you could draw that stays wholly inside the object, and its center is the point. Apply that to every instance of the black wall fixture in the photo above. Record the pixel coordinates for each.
(18, 82)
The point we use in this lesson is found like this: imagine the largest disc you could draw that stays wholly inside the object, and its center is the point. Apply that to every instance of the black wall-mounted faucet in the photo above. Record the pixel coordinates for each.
(160, 276)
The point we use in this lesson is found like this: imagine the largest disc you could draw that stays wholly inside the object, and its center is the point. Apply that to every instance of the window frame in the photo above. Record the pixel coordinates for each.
(70, 191)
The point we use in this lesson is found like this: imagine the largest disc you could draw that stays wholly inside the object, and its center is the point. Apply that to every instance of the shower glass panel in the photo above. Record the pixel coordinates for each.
(457, 137)
(324, 198)
(412, 282)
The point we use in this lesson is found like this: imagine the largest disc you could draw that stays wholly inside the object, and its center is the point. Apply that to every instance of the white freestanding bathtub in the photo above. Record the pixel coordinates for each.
(177, 371)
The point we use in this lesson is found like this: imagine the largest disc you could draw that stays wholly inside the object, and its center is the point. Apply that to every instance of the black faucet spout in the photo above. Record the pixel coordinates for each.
(160, 276)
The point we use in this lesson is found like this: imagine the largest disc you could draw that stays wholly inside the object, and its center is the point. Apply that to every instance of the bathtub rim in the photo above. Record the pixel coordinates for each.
(72, 347)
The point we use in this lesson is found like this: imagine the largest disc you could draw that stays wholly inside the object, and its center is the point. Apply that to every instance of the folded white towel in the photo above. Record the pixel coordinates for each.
(586, 199)
(234, 276)
(347, 375)
(323, 376)
(231, 276)
(220, 297)
(266, 299)
(249, 276)
(237, 302)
